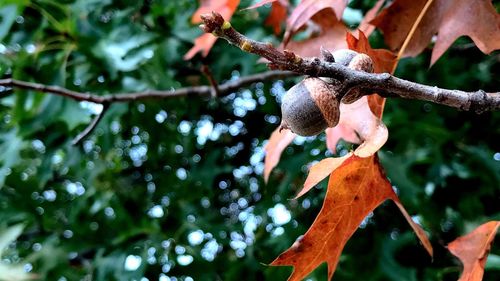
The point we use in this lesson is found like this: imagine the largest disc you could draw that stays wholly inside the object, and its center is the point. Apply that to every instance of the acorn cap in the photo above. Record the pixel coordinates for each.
(360, 62)
(309, 107)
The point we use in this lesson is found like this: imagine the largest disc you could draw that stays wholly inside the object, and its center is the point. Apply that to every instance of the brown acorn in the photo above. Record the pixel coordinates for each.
(312, 105)
(309, 107)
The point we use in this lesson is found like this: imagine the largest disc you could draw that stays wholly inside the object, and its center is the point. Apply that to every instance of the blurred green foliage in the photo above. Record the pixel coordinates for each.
(173, 189)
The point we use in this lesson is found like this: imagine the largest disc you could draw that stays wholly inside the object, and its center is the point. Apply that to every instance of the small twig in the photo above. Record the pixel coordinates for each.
(384, 84)
(81, 136)
(215, 86)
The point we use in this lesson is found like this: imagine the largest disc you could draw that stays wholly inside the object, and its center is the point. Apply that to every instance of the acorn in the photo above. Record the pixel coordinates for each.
(309, 107)
(344, 56)
(353, 60)
(360, 62)
(313, 105)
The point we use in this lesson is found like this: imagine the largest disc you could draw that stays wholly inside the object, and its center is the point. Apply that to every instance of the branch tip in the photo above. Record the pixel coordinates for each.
(212, 21)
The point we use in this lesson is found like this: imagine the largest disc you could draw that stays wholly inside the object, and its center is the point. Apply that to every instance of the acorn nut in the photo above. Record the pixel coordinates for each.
(312, 105)
(309, 107)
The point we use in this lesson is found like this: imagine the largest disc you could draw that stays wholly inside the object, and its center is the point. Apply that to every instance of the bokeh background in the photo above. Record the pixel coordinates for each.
(173, 189)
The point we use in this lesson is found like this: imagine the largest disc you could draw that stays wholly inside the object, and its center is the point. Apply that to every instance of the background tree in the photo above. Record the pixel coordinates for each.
(173, 187)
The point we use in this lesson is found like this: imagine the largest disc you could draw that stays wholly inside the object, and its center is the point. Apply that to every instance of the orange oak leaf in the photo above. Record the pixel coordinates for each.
(205, 41)
(449, 19)
(355, 189)
(277, 143)
(473, 249)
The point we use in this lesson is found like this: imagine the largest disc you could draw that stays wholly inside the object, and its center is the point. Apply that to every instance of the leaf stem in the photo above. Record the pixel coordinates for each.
(411, 33)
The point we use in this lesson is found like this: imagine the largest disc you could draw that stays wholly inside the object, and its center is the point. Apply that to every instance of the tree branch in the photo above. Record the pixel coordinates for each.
(384, 84)
(202, 91)
(106, 100)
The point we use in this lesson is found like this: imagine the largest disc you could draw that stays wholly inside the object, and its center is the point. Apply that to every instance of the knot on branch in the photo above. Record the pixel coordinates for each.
(478, 102)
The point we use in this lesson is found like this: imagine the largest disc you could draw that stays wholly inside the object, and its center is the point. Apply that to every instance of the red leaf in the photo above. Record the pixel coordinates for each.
(449, 19)
(205, 41)
(355, 189)
(277, 143)
(277, 16)
(473, 249)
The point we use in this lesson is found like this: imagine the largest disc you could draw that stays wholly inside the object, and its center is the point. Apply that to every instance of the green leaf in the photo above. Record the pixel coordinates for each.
(8, 15)
(73, 114)
(10, 235)
(10, 145)
(123, 50)
(8, 271)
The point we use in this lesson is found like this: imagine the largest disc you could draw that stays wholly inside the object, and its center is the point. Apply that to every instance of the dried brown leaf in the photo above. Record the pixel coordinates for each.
(355, 189)
(278, 141)
(449, 19)
(473, 249)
